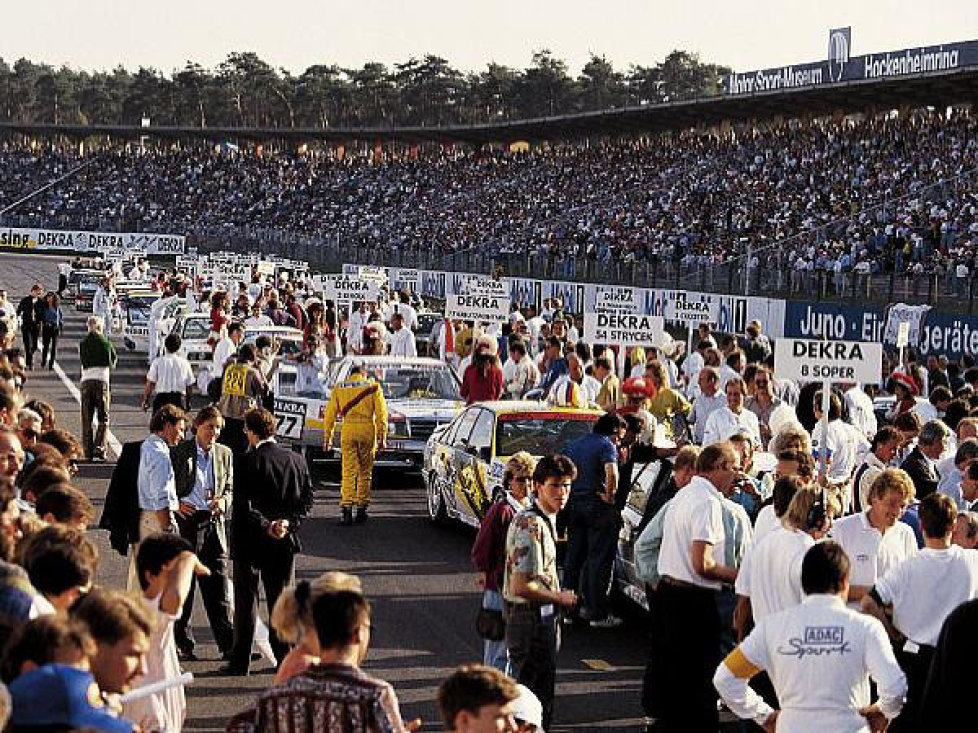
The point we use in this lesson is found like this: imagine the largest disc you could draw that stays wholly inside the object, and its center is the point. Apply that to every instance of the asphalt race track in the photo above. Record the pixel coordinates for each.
(417, 576)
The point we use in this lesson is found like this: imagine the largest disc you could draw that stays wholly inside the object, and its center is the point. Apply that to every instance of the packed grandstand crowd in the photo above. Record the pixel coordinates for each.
(853, 197)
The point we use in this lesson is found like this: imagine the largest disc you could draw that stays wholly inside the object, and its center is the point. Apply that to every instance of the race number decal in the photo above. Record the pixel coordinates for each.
(235, 377)
(290, 419)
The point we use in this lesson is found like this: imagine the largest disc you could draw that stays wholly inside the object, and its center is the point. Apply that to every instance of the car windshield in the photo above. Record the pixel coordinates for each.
(290, 347)
(138, 315)
(539, 435)
(416, 382)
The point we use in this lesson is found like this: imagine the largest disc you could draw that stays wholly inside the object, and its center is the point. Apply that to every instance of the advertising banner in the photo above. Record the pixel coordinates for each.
(83, 241)
(623, 329)
(807, 360)
(832, 321)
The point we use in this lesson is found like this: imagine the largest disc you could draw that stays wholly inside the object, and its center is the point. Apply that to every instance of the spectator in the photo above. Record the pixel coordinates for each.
(478, 699)
(170, 377)
(98, 359)
(52, 321)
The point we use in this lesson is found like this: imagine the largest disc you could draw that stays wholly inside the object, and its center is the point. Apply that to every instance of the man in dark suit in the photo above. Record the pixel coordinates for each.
(203, 472)
(120, 515)
(29, 309)
(920, 464)
(272, 496)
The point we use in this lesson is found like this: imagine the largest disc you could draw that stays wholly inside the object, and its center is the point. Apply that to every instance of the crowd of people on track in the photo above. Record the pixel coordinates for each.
(794, 546)
(847, 198)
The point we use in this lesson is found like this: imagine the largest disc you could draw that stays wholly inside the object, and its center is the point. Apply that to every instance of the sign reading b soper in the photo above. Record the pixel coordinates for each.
(623, 329)
(827, 361)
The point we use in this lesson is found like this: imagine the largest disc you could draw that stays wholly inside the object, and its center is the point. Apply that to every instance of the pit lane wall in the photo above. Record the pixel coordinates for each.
(931, 331)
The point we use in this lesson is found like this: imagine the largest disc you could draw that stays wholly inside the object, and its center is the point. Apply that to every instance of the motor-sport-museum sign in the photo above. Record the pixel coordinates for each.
(841, 67)
(79, 241)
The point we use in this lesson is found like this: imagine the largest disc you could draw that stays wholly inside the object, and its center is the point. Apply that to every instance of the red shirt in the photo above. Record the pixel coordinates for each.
(479, 388)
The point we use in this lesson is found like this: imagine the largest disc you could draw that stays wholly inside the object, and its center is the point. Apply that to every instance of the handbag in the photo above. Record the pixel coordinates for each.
(490, 624)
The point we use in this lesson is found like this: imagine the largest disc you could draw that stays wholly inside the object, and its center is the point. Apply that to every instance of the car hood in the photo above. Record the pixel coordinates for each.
(439, 409)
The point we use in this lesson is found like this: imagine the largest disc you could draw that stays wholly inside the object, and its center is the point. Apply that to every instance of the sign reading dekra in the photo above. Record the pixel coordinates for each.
(349, 288)
(693, 312)
(616, 299)
(828, 361)
(484, 308)
(623, 329)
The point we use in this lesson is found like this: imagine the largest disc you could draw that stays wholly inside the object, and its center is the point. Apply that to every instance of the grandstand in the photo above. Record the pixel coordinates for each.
(856, 188)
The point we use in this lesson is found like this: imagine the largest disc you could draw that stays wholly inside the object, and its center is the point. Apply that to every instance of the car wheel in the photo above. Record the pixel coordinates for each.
(436, 500)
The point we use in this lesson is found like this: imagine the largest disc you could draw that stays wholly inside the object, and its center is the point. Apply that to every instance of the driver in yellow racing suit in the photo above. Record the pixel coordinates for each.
(359, 402)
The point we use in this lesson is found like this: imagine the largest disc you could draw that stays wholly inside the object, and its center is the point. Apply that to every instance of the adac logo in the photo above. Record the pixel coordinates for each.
(840, 43)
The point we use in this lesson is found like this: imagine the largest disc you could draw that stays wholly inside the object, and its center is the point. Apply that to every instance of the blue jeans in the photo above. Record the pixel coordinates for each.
(495, 654)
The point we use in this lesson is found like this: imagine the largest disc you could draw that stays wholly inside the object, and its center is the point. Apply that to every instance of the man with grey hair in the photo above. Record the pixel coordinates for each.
(98, 358)
(921, 463)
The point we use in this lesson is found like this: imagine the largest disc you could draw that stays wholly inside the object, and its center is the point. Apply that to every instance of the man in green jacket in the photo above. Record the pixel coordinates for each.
(98, 358)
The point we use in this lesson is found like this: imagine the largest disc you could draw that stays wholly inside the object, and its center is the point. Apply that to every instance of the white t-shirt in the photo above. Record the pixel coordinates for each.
(224, 350)
(925, 588)
(765, 523)
(403, 343)
(771, 572)
(845, 443)
(170, 373)
(704, 406)
(861, 411)
(872, 554)
(722, 423)
(696, 516)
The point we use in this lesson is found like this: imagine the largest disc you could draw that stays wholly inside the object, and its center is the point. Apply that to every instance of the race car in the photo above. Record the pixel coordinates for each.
(464, 461)
(421, 394)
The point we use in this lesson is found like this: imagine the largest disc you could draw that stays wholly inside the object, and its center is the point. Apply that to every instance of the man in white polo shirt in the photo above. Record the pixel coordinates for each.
(921, 592)
(691, 571)
(770, 575)
(170, 376)
(820, 656)
(875, 540)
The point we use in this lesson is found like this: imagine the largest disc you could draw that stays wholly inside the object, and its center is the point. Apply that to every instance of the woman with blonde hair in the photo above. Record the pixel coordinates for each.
(638, 362)
(293, 622)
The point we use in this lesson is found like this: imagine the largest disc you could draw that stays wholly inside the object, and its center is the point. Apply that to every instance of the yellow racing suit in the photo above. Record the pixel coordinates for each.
(359, 403)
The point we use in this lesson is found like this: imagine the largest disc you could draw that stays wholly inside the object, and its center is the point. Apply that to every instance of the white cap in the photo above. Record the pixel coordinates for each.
(527, 708)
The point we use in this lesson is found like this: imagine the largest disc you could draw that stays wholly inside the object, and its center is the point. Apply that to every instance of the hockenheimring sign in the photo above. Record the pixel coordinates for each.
(842, 67)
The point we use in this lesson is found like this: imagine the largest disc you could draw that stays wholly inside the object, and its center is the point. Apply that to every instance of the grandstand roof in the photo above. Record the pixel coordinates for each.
(936, 89)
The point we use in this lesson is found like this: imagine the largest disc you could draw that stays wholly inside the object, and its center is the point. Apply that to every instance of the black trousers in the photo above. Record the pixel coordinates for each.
(275, 570)
(592, 539)
(49, 339)
(215, 589)
(169, 398)
(30, 344)
(687, 652)
(533, 641)
(916, 667)
(233, 436)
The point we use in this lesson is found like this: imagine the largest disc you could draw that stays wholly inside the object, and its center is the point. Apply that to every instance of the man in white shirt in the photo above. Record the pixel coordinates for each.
(770, 575)
(407, 311)
(921, 593)
(690, 566)
(875, 540)
(819, 655)
(520, 374)
(695, 361)
(402, 341)
(226, 349)
(844, 443)
(356, 322)
(170, 376)
(734, 418)
(708, 401)
(861, 411)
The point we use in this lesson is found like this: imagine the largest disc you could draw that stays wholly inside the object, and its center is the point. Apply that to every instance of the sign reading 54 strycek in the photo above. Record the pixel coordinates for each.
(623, 329)
(806, 360)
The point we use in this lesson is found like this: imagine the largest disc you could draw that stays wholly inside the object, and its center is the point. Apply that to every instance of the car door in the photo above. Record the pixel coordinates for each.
(473, 461)
(452, 457)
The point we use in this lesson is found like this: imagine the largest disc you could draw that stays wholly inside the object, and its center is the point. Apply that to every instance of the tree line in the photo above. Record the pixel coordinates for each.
(246, 91)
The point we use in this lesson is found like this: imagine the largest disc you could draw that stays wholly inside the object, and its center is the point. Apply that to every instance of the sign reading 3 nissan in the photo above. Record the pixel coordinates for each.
(806, 360)
(623, 329)
(693, 312)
